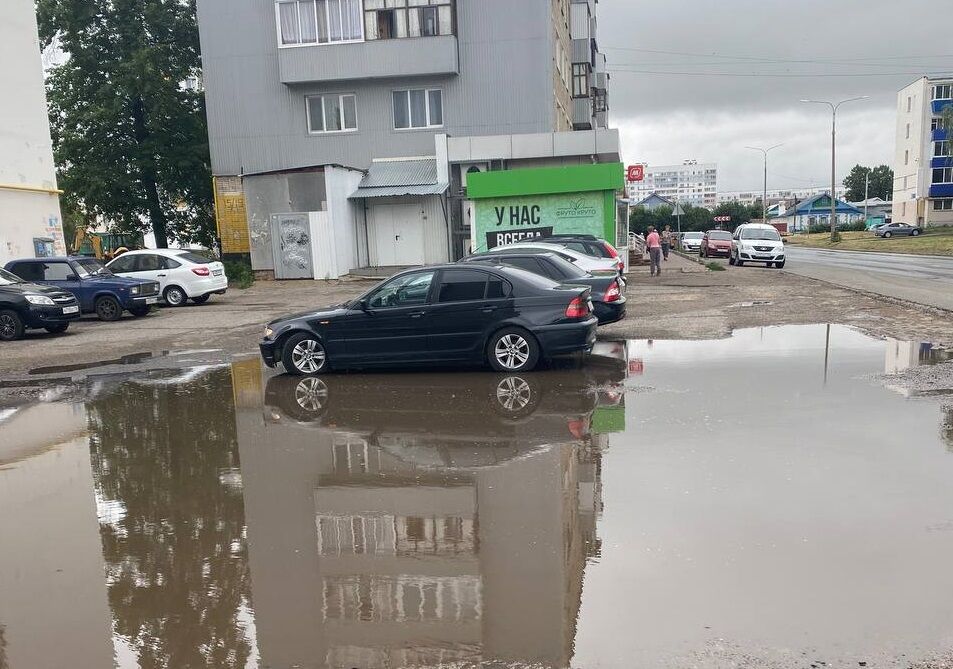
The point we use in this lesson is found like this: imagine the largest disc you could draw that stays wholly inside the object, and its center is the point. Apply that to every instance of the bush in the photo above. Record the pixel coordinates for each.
(240, 274)
(715, 266)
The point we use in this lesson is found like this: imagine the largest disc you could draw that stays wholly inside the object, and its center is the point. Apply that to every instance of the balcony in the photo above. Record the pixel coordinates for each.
(376, 59)
(941, 190)
(939, 135)
(940, 105)
(582, 113)
(941, 162)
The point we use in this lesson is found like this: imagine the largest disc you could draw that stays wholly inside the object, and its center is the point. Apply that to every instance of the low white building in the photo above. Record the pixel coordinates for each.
(30, 219)
(923, 164)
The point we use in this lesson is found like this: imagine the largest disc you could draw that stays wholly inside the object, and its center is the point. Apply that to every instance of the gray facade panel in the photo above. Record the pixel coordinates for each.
(258, 124)
(269, 194)
(378, 59)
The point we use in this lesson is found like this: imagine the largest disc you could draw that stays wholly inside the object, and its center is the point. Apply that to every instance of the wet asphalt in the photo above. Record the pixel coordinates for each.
(758, 501)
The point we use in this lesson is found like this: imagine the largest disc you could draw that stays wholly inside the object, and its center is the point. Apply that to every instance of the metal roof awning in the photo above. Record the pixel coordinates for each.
(403, 177)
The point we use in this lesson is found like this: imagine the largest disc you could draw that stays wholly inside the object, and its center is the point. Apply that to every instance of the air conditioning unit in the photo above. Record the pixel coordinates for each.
(470, 168)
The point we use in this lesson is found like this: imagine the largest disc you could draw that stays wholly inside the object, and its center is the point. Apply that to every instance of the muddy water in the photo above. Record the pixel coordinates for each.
(755, 501)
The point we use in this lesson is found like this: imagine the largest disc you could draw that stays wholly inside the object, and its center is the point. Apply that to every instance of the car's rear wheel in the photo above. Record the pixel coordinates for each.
(175, 296)
(57, 329)
(108, 308)
(304, 354)
(201, 299)
(513, 350)
(138, 312)
(11, 325)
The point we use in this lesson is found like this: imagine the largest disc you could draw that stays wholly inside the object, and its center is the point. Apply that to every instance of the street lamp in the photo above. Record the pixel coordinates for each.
(834, 107)
(764, 199)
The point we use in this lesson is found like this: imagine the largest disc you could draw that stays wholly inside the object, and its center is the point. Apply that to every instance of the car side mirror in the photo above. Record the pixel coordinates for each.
(362, 305)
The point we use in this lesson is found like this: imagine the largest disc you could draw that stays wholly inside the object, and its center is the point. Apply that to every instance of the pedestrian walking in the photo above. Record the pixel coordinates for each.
(654, 244)
(666, 241)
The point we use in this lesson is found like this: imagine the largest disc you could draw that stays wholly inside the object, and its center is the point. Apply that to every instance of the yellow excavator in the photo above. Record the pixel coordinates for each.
(103, 245)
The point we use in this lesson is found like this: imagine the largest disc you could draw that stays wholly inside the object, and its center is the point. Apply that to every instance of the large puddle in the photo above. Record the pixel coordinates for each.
(754, 501)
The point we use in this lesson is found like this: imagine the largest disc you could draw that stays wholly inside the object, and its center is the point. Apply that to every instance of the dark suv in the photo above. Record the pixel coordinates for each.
(31, 306)
(97, 289)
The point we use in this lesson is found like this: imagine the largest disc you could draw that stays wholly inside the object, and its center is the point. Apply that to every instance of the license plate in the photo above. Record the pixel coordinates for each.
(70, 310)
(217, 272)
(152, 300)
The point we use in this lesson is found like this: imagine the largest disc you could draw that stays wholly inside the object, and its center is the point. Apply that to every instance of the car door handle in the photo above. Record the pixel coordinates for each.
(161, 276)
(417, 314)
(489, 310)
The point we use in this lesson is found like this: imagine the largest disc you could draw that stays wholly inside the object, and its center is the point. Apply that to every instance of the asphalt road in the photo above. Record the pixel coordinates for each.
(926, 280)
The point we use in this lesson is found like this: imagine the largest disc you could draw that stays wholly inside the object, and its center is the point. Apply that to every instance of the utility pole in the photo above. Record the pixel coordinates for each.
(834, 107)
(866, 196)
(764, 199)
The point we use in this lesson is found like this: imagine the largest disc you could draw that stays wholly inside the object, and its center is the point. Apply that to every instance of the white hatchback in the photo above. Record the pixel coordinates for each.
(581, 260)
(182, 274)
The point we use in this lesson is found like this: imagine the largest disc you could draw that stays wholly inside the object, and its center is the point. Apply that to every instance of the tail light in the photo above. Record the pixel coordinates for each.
(613, 293)
(577, 428)
(201, 271)
(578, 308)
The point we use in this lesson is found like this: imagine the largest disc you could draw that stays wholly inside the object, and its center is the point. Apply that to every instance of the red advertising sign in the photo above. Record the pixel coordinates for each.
(635, 173)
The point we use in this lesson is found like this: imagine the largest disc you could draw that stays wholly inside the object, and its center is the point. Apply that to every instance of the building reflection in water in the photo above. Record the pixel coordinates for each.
(414, 520)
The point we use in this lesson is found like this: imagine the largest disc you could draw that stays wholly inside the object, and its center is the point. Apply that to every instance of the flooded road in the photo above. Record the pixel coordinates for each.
(754, 501)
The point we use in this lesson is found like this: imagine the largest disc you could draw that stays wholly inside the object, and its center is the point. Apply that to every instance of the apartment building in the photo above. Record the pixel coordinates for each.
(325, 117)
(30, 220)
(691, 183)
(751, 197)
(923, 164)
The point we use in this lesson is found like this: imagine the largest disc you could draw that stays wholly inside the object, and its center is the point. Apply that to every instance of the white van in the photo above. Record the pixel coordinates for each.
(757, 242)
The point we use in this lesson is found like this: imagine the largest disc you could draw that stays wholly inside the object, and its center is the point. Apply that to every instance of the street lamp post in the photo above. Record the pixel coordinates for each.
(764, 199)
(834, 107)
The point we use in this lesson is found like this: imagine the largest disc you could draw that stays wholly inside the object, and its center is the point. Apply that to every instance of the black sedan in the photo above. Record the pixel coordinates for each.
(505, 316)
(897, 229)
(608, 288)
(25, 305)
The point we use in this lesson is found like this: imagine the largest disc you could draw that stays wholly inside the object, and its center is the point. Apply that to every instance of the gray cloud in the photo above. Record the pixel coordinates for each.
(695, 111)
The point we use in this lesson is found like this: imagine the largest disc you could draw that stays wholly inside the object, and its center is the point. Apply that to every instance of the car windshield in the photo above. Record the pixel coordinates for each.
(91, 267)
(570, 270)
(720, 235)
(693, 235)
(761, 233)
(6, 278)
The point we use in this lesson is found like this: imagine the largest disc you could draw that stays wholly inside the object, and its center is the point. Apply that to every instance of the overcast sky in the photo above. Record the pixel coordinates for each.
(882, 45)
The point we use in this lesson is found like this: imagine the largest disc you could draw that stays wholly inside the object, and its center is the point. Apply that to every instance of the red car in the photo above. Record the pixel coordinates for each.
(715, 243)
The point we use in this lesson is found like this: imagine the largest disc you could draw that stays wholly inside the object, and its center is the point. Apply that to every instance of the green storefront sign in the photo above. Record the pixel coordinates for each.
(517, 204)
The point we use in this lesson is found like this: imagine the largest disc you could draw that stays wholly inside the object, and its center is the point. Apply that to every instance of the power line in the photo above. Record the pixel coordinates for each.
(767, 59)
(772, 74)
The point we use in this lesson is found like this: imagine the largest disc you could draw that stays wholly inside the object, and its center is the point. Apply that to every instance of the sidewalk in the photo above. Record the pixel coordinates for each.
(675, 264)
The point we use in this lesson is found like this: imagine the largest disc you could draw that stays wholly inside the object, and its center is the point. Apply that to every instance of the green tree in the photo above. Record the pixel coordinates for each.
(130, 140)
(740, 213)
(881, 183)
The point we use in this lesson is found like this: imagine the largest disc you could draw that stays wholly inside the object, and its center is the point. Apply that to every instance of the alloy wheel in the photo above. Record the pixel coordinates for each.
(513, 393)
(311, 394)
(8, 326)
(511, 351)
(308, 356)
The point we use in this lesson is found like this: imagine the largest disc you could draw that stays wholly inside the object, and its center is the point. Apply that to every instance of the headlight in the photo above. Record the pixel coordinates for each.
(135, 290)
(39, 299)
(269, 332)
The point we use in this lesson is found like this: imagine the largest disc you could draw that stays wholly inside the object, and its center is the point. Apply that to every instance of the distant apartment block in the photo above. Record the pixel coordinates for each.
(691, 183)
(750, 197)
(923, 164)
(310, 101)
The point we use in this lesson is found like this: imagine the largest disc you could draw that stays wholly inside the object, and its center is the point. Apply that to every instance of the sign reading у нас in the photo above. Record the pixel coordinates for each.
(501, 221)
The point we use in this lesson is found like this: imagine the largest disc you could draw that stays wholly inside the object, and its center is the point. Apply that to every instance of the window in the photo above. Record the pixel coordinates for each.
(148, 262)
(58, 271)
(909, 104)
(906, 157)
(903, 208)
(418, 108)
(529, 264)
(404, 291)
(580, 80)
(943, 175)
(943, 92)
(943, 205)
(123, 264)
(462, 285)
(319, 21)
(937, 124)
(941, 149)
(194, 257)
(28, 271)
(396, 19)
(497, 288)
(908, 131)
(331, 113)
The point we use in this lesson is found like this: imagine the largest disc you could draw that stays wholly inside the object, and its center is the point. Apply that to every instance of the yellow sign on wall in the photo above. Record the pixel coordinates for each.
(231, 220)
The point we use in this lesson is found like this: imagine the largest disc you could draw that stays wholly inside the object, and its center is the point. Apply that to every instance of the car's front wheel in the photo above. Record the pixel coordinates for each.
(304, 354)
(175, 296)
(11, 325)
(513, 350)
(779, 265)
(108, 309)
(57, 329)
(914, 233)
(731, 258)
(888, 234)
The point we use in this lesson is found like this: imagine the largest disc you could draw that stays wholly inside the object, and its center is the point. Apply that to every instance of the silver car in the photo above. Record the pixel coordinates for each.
(692, 241)
(898, 229)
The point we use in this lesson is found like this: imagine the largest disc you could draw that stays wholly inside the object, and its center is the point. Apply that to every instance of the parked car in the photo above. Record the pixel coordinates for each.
(508, 317)
(581, 260)
(898, 229)
(25, 305)
(715, 243)
(757, 242)
(608, 288)
(182, 275)
(97, 289)
(691, 241)
(590, 245)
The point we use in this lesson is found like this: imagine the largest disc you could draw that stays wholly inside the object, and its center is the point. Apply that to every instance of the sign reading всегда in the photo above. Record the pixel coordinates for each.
(500, 221)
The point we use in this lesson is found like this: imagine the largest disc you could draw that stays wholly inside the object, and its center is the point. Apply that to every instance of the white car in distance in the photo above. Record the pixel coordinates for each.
(182, 274)
(581, 260)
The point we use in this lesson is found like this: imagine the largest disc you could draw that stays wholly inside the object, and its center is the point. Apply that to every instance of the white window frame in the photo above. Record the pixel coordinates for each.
(427, 92)
(947, 172)
(330, 42)
(947, 91)
(939, 146)
(945, 204)
(340, 96)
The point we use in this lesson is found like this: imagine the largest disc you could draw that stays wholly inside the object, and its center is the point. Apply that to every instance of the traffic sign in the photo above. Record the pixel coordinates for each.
(635, 173)
(722, 219)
